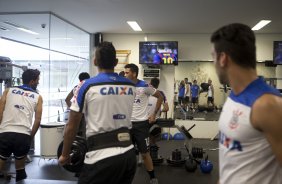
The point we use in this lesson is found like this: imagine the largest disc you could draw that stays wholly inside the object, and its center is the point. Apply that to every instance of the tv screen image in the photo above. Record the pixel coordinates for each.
(277, 52)
(158, 52)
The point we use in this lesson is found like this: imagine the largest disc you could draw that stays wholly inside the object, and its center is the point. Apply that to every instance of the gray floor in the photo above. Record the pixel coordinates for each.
(48, 169)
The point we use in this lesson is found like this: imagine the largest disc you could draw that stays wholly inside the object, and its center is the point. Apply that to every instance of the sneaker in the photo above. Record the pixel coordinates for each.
(154, 181)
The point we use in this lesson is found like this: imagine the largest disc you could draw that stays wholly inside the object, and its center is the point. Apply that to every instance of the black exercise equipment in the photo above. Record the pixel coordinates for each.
(190, 164)
(78, 151)
(186, 132)
(205, 87)
(175, 159)
(197, 152)
(202, 108)
(155, 130)
(165, 122)
(156, 158)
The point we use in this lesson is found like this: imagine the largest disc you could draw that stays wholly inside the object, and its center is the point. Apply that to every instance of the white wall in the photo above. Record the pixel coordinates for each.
(202, 130)
(193, 47)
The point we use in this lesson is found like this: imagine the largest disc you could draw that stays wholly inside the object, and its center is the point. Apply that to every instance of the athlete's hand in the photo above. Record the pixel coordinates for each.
(152, 118)
(63, 160)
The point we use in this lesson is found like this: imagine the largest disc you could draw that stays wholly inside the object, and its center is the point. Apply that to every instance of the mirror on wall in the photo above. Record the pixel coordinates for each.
(202, 71)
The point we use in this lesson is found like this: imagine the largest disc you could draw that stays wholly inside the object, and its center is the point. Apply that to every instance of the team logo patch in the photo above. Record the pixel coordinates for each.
(23, 93)
(19, 107)
(233, 124)
(116, 91)
(119, 116)
(229, 143)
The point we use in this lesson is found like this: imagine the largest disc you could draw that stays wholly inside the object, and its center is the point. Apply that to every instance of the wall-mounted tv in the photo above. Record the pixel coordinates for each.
(158, 52)
(277, 52)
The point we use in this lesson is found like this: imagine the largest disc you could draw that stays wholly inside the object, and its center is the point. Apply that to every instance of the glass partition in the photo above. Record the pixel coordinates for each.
(57, 48)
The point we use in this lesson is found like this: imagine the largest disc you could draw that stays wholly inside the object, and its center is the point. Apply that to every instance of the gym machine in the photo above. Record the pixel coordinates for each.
(6, 73)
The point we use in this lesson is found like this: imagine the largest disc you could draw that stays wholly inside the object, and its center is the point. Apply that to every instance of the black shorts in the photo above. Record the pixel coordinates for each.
(195, 99)
(115, 169)
(210, 99)
(16, 143)
(180, 100)
(140, 135)
(186, 99)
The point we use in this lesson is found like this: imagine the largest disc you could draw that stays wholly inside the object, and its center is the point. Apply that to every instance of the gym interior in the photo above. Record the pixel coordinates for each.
(61, 50)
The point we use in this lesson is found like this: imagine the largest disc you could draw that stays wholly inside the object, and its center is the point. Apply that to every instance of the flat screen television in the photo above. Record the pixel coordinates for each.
(277, 52)
(158, 53)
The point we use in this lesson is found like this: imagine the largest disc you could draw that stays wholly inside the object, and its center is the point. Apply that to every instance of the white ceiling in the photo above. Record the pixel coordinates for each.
(156, 16)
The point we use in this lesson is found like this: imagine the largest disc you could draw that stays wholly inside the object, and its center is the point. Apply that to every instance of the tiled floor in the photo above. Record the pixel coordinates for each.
(48, 169)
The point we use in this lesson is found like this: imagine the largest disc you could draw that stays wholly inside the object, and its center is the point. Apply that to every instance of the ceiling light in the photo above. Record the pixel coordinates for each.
(58, 38)
(261, 24)
(28, 31)
(19, 27)
(134, 25)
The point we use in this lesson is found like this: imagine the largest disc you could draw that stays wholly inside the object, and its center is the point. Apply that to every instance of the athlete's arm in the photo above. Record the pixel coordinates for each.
(266, 116)
(69, 135)
(37, 118)
(68, 98)
(160, 98)
(165, 104)
(165, 107)
(2, 103)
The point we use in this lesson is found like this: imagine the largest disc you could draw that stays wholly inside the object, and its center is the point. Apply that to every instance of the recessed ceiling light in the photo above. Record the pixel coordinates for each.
(134, 25)
(19, 27)
(261, 24)
(55, 38)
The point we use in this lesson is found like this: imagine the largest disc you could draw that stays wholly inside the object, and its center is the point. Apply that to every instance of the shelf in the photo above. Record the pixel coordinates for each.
(123, 59)
(123, 52)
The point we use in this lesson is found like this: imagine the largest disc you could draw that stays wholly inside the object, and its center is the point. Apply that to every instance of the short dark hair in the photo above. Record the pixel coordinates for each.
(238, 41)
(29, 75)
(134, 68)
(105, 55)
(121, 73)
(155, 82)
(83, 75)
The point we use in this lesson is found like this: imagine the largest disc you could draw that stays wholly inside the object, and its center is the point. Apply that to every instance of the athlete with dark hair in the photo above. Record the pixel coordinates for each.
(17, 107)
(140, 119)
(106, 101)
(250, 122)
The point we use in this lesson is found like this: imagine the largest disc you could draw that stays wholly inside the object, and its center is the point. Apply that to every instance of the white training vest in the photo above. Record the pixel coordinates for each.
(19, 109)
(187, 90)
(106, 101)
(210, 91)
(140, 106)
(245, 156)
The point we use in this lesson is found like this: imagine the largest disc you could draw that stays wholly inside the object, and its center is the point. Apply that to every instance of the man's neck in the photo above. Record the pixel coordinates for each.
(239, 82)
(100, 70)
(135, 80)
